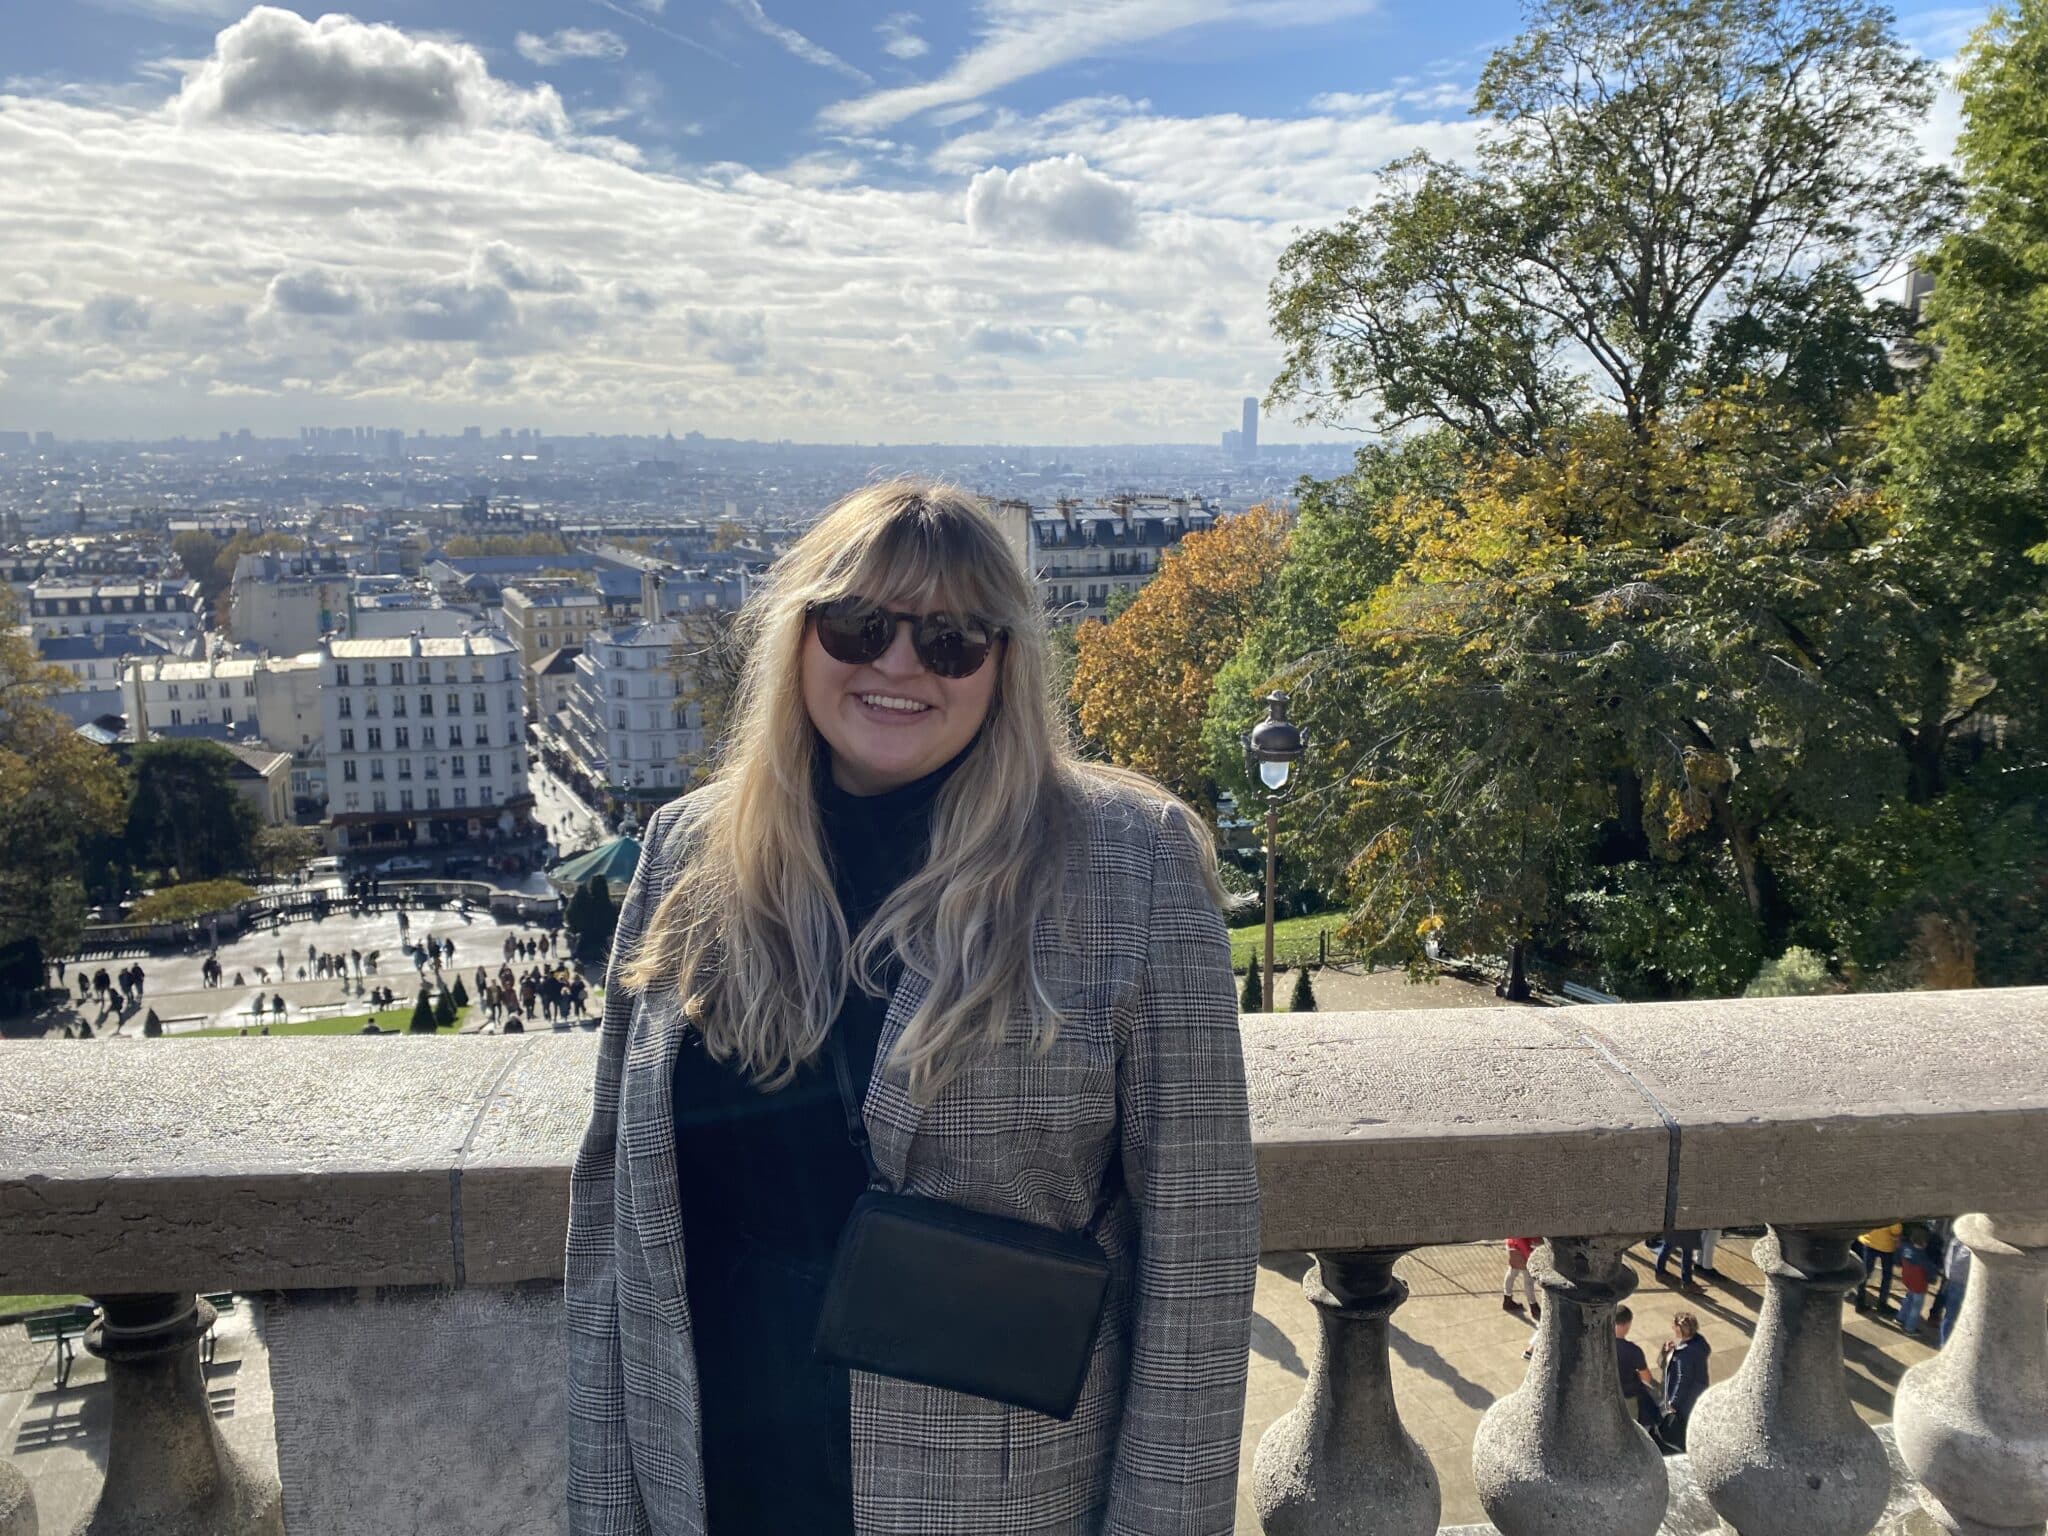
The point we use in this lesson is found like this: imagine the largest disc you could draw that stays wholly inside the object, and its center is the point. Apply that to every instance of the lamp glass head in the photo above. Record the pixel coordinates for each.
(1273, 773)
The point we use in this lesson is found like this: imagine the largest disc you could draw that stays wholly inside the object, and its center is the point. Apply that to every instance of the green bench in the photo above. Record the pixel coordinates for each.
(63, 1324)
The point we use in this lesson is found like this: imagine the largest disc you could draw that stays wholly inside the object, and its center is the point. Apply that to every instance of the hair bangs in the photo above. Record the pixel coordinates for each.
(929, 558)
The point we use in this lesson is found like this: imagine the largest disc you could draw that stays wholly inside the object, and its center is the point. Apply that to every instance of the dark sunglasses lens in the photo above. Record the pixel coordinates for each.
(951, 648)
(853, 632)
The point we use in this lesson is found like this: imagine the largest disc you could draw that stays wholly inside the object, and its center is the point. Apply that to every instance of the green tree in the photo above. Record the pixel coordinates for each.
(186, 813)
(1303, 998)
(422, 1015)
(61, 796)
(1668, 194)
(600, 918)
(460, 993)
(444, 1011)
(1252, 998)
(280, 851)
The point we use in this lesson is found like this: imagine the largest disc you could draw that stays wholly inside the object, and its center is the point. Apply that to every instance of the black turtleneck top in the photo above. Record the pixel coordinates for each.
(767, 1182)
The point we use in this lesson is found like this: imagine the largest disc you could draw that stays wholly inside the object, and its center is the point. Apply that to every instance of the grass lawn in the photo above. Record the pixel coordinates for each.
(1294, 938)
(12, 1307)
(391, 1020)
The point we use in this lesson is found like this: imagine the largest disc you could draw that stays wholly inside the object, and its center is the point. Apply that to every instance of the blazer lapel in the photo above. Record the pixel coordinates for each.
(890, 1113)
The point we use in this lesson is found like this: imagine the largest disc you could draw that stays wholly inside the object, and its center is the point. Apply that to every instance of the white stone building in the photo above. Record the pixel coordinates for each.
(424, 741)
(287, 603)
(1082, 552)
(76, 605)
(543, 616)
(632, 728)
(274, 697)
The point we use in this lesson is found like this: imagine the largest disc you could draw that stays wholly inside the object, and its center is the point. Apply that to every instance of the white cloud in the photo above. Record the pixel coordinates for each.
(795, 42)
(275, 69)
(570, 43)
(898, 40)
(1053, 201)
(1022, 38)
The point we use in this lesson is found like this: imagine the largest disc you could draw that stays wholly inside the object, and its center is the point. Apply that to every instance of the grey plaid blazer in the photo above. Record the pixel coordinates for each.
(1147, 1070)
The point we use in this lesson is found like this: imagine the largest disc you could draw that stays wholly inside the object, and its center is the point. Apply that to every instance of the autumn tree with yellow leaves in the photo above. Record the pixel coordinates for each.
(1142, 681)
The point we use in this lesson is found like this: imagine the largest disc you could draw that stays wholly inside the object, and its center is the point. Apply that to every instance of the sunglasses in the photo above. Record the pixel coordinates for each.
(856, 631)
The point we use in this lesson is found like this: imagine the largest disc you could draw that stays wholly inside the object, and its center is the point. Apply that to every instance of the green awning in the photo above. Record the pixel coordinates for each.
(615, 860)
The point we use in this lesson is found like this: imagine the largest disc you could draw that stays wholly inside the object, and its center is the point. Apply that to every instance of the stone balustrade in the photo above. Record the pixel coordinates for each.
(145, 1173)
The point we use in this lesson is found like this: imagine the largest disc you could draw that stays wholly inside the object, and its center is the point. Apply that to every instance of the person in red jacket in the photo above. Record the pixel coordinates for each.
(1519, 1251)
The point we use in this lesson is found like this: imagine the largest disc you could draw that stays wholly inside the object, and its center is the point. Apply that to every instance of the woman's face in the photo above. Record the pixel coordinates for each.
(877, 743)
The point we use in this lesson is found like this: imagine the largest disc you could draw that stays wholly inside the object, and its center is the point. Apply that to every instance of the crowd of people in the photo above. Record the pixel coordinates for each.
(549, 993)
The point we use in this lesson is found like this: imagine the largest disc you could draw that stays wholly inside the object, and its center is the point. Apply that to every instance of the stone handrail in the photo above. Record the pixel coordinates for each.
(142, 1172)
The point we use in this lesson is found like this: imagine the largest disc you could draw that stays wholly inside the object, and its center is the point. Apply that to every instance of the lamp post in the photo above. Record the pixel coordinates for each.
(1271, 749)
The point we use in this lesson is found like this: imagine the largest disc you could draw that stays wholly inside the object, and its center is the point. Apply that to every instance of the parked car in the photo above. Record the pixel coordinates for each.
(405, 864)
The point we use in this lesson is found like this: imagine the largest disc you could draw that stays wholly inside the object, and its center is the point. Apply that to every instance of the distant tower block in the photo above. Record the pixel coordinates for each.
(1248, 437)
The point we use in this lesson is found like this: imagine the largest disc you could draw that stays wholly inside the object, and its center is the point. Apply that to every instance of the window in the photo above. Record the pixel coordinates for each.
(401, 737)
(433, 799)
(458, 765)
(544, 647)
(447, 671)
(225, 691)
(376, 768)
(348, 740)
(345, 707)
(476, 674)
(376, 799)
(369, 673)
(376, 737)
(398, 706)
(461, 795)
(483, 765)
(348, 771)
(483, 734)
(454, 735)
(478, 706)
(341, 673)
(619, 719)
(432, 769)
(177, 717)
(426, 735)
(511, 701)
(405, 767)
(171, 692)
(249, 688)
(227, 714)
(405, 799)
(454, 703)
(618, 687)
(353, 800)
(372, 708)
(426, 703)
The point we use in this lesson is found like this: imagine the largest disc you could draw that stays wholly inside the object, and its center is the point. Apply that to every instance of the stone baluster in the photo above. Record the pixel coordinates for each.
(1777, 1448)
(169, 1472)
(1339, 1460)
(1972, 1423)
(17, 1503)
(1562, 1452)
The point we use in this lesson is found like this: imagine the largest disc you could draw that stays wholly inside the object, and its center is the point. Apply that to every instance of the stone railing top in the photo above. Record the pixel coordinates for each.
(341, 1161)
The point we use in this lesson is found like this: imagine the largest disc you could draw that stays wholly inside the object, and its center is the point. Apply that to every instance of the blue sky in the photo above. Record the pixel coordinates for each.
(1019, 220)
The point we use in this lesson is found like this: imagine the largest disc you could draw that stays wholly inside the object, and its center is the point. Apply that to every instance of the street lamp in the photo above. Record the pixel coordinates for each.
(1271, 749)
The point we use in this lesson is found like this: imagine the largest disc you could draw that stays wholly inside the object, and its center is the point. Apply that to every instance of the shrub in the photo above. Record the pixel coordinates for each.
(460, 993)
(422, 1015)
(1304, 998)
(1796, 973)
(199, 898)
(1254, 997)
(444, 1010)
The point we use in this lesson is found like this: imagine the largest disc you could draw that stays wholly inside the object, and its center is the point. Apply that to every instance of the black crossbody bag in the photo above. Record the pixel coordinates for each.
(933, 1293)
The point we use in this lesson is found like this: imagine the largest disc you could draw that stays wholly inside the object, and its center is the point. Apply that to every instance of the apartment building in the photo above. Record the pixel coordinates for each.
(546, 615)
(1082, 552)
(631, 725)
(424, 740)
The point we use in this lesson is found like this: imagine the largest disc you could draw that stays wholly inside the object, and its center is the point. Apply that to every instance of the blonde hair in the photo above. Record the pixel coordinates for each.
(751, 933)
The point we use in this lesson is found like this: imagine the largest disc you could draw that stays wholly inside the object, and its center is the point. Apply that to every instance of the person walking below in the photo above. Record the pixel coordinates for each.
(1638, 1387)
(906, 949)
(1520, 1250)
(1682, 1243)
(1915, 1274)
(1685, 1378)
(1878, 1249)
(1955, 1285)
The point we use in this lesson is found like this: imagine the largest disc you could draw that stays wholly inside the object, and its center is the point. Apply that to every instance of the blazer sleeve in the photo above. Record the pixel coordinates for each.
(1187, 1160)
(603, 1498)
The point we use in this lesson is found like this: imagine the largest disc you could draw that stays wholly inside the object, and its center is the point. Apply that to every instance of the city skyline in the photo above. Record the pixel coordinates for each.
(1014, 222)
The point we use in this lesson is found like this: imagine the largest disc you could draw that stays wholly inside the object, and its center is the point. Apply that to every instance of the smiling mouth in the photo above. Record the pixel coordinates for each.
(893, 704)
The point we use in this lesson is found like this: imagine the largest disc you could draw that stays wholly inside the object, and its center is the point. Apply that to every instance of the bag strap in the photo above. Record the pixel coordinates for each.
(857, 1133)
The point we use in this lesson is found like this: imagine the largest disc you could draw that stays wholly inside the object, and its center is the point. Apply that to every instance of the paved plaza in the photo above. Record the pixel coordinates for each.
(1455, 1352)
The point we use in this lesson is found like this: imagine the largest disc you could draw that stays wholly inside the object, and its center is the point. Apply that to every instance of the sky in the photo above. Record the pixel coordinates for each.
(1047, 221)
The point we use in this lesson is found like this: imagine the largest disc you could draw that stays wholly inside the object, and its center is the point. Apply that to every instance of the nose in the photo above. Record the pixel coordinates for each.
(901, 659)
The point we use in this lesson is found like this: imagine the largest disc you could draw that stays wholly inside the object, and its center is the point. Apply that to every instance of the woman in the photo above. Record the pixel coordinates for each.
(1020, 958)
(1685, 1378)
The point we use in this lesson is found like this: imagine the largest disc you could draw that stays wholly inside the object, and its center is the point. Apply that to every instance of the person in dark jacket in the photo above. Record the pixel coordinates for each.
(1685, 1378)
(1637, 1390)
